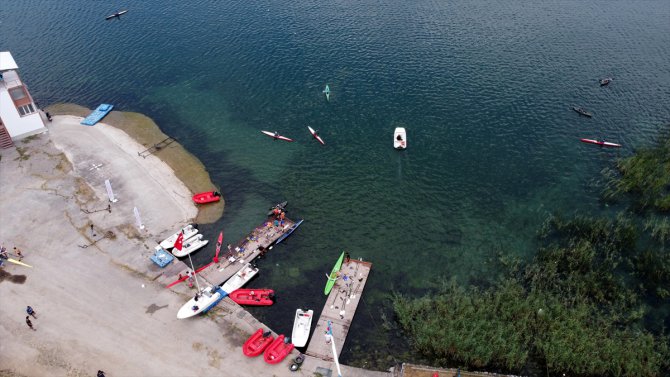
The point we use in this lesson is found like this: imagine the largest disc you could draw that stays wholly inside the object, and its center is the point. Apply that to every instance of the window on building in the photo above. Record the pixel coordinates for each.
(26, 109)
(17, 93)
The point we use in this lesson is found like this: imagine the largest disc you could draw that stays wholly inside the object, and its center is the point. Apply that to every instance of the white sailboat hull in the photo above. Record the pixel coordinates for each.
(206, 299)
(190, 245)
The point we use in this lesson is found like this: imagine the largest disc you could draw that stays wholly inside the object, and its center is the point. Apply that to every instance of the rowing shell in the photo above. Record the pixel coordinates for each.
(276, 136)
(316, 136)
(18, 262)
(601, 143)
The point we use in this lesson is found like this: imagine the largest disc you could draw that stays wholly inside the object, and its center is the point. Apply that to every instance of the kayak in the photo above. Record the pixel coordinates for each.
(219, 242)
(582, 111)
(289, 232)
(117, 14)
(601, 143)
(189, 231)
(257, 343)
(253, 297)
(207, 197)
(18, 262)
(276, 136)
(605, 81)
(326, 91)
(399, 138)
(333, 275)
(277, 351)
(316, 136)
(183, 278)
(301, 326)
(279, 206)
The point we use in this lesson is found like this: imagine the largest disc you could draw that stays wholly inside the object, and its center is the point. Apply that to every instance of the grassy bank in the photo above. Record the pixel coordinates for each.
(143, 130)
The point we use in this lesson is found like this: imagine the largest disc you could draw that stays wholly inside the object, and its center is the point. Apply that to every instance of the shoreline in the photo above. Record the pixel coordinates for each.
(143, 130)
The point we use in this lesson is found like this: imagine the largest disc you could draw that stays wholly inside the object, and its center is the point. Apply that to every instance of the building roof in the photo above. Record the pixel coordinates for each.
(7, 61)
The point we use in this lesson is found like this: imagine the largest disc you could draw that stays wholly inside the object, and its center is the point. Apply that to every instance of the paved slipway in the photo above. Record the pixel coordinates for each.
(98, 306)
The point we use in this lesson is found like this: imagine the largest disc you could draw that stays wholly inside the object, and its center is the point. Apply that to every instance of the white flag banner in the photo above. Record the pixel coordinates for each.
(138, 218)
(110, 193)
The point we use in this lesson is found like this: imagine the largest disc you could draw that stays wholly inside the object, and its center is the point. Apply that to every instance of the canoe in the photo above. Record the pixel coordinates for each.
(257, 343)
(276, 136)
(117, 14)
(189, 231)
(207, 197)
(253, 297)
(241, 278)
(277, 351)
(601, 143)
(333, 275)
(289, 232)
(582, 111)
(605, 81)
(316, 136)
(279, 206)
(301, 327)
(190, 245)
(399, 138)
(97, 114)
(201, 302)
(326, 91)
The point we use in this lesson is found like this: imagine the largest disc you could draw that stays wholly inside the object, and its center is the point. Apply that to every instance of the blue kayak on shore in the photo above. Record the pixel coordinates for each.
(97, 114)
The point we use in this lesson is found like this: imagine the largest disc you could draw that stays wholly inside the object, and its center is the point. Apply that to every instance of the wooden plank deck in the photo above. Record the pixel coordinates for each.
(243, 252)
(339, 309)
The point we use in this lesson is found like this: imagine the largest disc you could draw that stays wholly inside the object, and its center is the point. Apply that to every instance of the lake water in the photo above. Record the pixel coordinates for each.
(483, 88)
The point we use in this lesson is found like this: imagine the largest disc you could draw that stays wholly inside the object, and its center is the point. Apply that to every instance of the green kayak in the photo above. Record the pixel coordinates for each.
(333, 275)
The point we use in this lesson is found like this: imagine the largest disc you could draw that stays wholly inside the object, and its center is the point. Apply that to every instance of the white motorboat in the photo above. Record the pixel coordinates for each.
(203, 301)
(301, 327)
(240, 278)
(189, 231)
(400, 138)
(190, 245)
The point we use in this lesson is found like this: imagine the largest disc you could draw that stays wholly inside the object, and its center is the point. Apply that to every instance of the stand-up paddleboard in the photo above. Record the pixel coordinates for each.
(326, 91)
(601, 143)
(18, 262)
(400, 138)
(316, 136)
(116, 15)
(276, 136)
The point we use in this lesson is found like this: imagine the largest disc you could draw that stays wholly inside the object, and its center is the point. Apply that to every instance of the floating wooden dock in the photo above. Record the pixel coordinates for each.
(245, 251)
(340, 308)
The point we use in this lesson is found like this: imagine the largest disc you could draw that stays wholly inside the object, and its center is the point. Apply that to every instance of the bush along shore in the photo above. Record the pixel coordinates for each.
(594, 301)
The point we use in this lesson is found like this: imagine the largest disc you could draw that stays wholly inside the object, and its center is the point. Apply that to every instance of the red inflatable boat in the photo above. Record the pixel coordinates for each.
(207, 197)
(257, 343)
(277, 351)
(255, 297)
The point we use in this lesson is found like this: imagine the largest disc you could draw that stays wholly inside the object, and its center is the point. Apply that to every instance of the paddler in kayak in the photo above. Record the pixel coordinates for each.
(276, 136)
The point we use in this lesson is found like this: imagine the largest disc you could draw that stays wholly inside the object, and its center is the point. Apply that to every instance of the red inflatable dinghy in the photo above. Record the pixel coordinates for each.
(254, 297)
(256, 344)
(207, 197)
(277, 351)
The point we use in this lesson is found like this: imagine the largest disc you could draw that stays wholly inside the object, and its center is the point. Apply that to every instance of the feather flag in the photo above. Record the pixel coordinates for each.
(180, 241)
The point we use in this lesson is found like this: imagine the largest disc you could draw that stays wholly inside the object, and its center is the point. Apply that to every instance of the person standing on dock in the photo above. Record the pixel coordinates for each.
(190, 279)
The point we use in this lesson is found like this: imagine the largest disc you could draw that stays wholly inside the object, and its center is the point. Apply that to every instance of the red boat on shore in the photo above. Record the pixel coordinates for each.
(257, 343)
(254, 297)
(277, 351)
(207, 197)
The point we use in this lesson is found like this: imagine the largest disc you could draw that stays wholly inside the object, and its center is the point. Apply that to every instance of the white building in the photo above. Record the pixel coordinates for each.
(19, 116)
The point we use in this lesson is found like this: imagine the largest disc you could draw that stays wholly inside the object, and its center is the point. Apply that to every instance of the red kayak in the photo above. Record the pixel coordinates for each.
(207, 197)
(254, 297)
(276, 136)
(277, 351)
(316, 136)
(183, 278)
(601, 143)
(257, 343)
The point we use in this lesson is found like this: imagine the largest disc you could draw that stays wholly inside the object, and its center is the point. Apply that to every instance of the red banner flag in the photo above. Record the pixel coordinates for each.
(179, 242)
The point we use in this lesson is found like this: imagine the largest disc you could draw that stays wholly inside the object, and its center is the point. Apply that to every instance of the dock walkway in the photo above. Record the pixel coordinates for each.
(339, 309)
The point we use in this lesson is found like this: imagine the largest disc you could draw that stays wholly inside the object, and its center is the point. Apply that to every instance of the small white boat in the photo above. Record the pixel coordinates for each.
(400, 138)
(301, 327)
(190, 245)
(241, 278)
(189, 231)
(326, 91)
(201, 302)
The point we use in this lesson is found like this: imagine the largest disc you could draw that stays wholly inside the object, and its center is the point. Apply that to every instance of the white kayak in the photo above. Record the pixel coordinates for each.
(316, 136)
(190, 245)
(202, 302)
(301, 327)
(189, 231)
(277, 136)
(400, 138)
(240, 278)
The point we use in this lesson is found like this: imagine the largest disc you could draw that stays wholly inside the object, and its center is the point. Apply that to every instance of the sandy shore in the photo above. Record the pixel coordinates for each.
(95, 292)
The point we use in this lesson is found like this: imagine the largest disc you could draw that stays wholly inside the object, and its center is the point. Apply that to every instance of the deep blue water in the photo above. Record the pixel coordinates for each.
(484, 89)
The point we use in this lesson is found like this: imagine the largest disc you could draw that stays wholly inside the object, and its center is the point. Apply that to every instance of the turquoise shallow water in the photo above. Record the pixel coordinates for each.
(483, 88)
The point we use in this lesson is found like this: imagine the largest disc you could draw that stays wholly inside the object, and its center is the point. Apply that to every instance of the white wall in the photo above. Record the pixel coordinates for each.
(17, 126)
